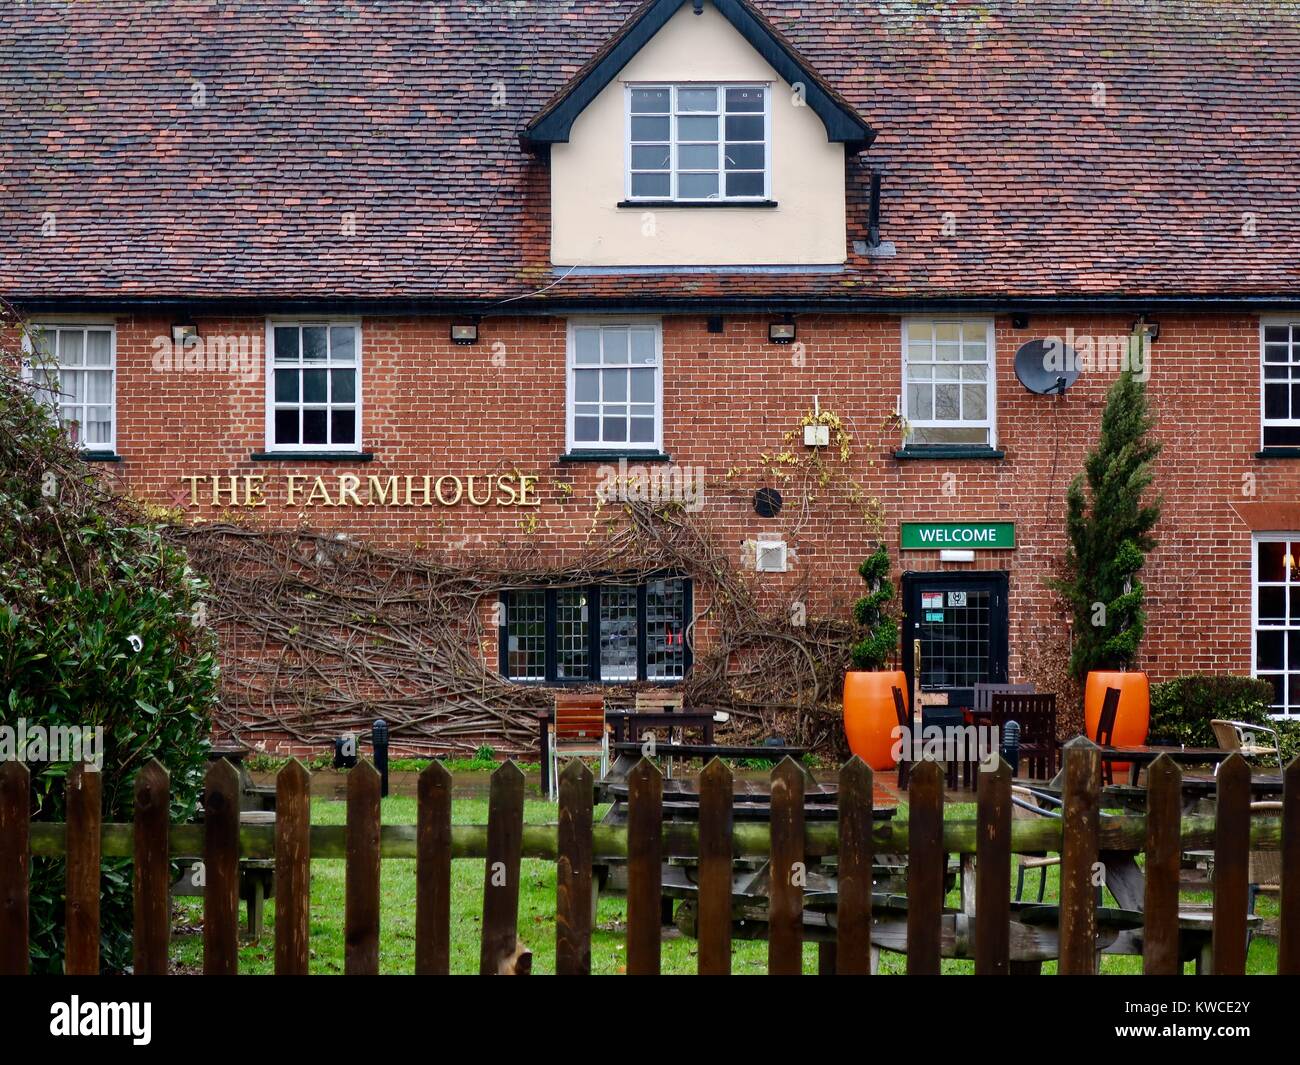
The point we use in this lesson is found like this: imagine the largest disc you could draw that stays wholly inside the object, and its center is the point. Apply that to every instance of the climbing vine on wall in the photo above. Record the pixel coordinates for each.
(321, 634)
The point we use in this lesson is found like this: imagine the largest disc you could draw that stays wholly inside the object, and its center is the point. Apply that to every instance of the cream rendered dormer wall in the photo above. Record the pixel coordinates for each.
(588, 174)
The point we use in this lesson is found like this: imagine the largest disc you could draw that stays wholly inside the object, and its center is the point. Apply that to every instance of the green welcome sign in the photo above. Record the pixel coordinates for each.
(967, 535)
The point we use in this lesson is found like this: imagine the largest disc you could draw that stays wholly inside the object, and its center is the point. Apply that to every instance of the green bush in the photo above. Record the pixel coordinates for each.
(101, 624)
(1182, 709)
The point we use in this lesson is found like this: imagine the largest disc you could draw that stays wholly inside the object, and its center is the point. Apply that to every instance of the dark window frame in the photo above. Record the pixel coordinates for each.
(592, 591)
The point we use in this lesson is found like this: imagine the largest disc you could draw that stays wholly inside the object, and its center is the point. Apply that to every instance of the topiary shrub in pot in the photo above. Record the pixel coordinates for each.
(1109, 523)
(870, 718)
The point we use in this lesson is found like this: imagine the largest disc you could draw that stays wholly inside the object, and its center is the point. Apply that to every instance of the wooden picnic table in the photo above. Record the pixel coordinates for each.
(626, 725)
(627, 754)
(752, 801)
(1141, 755)
(1195, 786)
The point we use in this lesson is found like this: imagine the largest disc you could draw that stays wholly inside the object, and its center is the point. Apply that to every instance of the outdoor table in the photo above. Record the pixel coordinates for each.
(627, 754)
(1141, 755)
(752, 801)
(624, 724)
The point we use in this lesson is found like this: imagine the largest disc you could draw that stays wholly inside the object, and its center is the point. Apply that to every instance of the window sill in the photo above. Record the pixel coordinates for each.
(659, 205)
(1278, 453)
(312, 456)
(607, 456)
(102, 456)
(945, 451)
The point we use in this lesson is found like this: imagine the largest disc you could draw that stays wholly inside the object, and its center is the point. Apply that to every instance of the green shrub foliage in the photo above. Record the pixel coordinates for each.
(1109, 528)
(880, 644)
(1182, 709)
(101, 624)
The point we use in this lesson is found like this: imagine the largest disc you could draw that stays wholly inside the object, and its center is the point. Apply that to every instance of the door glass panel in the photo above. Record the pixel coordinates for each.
(955, 628)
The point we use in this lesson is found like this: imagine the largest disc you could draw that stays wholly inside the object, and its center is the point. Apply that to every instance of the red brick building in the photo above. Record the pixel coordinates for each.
(291, 263)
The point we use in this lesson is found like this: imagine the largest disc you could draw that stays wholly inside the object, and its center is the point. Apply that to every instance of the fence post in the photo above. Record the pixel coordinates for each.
(433, 872)
(83, 797)
(501, 871)
(787, 871)
(292, 869)
(221, 870)
(573, 873)
(15, 847)
(1231, 861)
(644, 871)
(361, 876)
(1160, 954)
(1288, 947)
(926, 865)
(152, 873)
(713, 932)
(1080, 835)
(993, 872)
(853, 901)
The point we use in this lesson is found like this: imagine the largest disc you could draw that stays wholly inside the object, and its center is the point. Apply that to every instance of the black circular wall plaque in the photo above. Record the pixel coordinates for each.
(767, 502)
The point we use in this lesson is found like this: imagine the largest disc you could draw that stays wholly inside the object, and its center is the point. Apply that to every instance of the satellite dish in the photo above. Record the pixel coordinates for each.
(1046, 367)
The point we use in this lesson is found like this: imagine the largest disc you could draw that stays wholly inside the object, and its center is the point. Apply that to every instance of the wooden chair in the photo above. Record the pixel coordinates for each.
(1036, 715)
(1239, 736)
(579, 731)
(984, 696)
(1106, 730)
(661, 701)
(949, 720)
(1264, 874)
(900, 709)
(658, 701)
(1025, 805)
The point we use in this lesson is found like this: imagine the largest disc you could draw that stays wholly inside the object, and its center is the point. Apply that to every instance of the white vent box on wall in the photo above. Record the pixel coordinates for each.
(771, 556)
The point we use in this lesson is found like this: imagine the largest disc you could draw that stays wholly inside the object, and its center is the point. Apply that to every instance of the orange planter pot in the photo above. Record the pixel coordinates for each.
(1134, 716)
(869, 715)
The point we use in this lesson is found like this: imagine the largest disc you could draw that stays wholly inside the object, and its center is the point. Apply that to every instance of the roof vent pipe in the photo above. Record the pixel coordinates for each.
(873, 219)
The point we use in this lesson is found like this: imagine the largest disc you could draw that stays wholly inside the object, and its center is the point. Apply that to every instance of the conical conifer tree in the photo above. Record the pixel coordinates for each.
(1109, 526)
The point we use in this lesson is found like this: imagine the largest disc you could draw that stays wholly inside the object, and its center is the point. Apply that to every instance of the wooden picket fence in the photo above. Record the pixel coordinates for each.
(644, 843)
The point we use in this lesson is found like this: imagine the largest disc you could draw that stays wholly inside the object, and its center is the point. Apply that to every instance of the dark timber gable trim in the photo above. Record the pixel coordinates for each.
(553, 124)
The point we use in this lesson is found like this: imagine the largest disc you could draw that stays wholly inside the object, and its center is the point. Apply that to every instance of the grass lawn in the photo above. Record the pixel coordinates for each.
(537, 914)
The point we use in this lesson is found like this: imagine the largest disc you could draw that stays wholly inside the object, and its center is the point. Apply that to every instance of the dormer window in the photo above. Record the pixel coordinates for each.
(698, 143)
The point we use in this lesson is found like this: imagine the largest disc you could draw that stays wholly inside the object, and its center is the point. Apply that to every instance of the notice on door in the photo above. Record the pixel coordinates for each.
(932, 600)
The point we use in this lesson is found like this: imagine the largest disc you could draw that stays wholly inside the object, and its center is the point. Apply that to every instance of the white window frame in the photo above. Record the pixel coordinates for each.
(269, 347)
(1264, 322)
(1255, 540)
(571, 366)
(673, 88)
(990, 421)
(73, 324)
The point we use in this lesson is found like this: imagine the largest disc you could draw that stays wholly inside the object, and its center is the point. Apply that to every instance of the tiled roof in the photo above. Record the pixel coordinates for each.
(1049, 148)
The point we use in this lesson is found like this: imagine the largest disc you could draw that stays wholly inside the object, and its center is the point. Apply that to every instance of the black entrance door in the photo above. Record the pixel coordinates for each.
(960, 620)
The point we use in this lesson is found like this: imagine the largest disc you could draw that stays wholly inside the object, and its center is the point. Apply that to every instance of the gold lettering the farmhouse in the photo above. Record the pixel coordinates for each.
(353, 490)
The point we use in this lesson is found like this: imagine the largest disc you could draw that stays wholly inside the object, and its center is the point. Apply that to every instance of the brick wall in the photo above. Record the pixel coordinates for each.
(431, 407)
